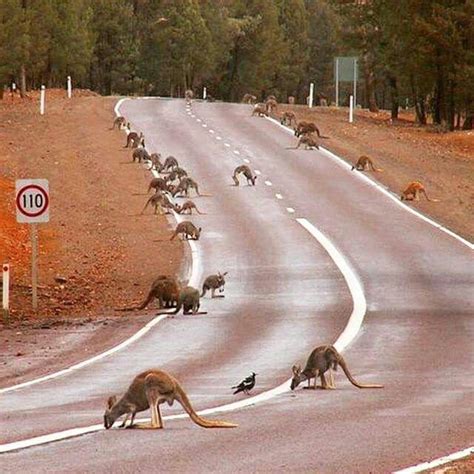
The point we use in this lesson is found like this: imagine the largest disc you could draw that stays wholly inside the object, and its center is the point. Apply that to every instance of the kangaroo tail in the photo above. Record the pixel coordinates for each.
(199, 420)
(204, 289)
(429, 199)
(143, 305)
(323, 136)
(352, 380)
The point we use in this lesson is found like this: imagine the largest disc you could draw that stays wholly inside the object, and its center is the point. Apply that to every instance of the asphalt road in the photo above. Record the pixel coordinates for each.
(284, 296)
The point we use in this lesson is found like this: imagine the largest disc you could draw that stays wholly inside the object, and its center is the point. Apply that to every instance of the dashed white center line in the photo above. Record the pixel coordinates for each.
(204, 125)
(290, 210)
(211, 131)
(192, 115)
(268, 183)
(237, 152)
(218, 138)
(278, 196)
(246, 161)
(198, 120)
(257, 172)
(227, 144)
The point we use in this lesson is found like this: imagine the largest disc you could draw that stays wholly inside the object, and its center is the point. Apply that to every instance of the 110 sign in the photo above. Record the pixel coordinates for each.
(32, 200)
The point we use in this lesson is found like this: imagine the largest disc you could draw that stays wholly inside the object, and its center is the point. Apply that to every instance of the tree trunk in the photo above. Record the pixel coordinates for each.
(394, 97)
(469, 122)
(369, 78)
(22, 81)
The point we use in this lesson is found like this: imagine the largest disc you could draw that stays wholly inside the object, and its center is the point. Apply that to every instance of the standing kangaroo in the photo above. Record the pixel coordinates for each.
(158, 201)
(288, 118)
(170, 163)
(140, 154)
(156, 164)
(188, 229)
(158, 184)
(184, 186)
(260, 110)
(364, 163)
(149, 390)
(187, 208)
(135, 140)
(245, 170)
(307, 127)
(413, 191)
(322, 359)
(213, 283)
(119, 122)
(308, 141)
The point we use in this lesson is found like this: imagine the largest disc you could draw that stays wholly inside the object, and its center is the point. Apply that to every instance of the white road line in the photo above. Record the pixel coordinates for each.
(218, 138)
(257, 172)
(227, 145)
(246, 160)
(385, 191)
(437, 462)
(290, 210)
(268, 183)
(237, 152)
(349, 333)
(204, 125)
(193, 116)
(194, 275)
(198, 120)
(278, 196)
(211, 131)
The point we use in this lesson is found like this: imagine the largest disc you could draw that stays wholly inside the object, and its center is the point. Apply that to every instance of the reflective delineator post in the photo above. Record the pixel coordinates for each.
(6, 292)
(69, 87)
(351, 109)
(204, 93)
(42, 94)
(311, 92)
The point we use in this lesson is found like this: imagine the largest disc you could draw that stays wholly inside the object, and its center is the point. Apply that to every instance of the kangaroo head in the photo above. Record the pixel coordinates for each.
(198, 233)
(109, 416)
(298, 376)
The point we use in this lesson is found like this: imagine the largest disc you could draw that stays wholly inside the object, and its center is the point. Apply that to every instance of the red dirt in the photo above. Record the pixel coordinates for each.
(444, 162)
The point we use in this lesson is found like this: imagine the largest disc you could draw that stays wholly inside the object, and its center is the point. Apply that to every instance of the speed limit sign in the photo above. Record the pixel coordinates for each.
(32, 200)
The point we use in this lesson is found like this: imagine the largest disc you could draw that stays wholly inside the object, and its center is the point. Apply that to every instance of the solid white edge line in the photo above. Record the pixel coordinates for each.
(437, 462)
(290, 210)
(268, 183)
(195, 272)
(387, 193)
(246, 160)
(278, 196)
(348, 334)
(257, 172)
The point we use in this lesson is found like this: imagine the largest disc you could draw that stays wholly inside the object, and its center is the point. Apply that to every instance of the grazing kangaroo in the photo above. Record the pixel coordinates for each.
(364, 163)
(249, 99)
(177, 173)
(213, 283)
(119, 122)
(307, 127)
(165, 289)
(188, 300)
(288, 118)
(322, 359)
(156, 164)
(158, 201)
(140, 154)
(189, 95)
(149, 390)
(184, 186)
(260, 110)
(135, 140)
(170, 163)
(271, 105)
(187, 208)
(188, 229)
(245, 170)
(413, 191)
(158, 184)
(308, 141)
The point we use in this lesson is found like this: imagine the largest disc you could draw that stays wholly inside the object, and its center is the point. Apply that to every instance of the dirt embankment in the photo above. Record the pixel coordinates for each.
(443, 162)
(97, 241)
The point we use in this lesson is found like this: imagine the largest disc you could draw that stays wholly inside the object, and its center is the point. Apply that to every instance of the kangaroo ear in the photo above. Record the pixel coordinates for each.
(111, 401)
(296, 369)
(200, 228)
(224, 274)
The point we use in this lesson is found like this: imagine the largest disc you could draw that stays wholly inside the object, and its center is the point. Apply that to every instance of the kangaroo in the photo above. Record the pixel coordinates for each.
(322, 359)
(158, 201)
(135, 140)
(156, 164)
(189, 95)
(260, 110)
(249, 99)
(187, 208)
(158, 184)
(271, 97)
(140, 154)
(177, 173)
(413, 191)
(188, 229)
(119, 122)
(307, 127)
(271, 105)
(308, 141)
(188, 300)
(170, 163)
(288, 118)
(184, 186)
(245, 170)
(364, 163)
(165, 289)
(149, 390)
(213, 283)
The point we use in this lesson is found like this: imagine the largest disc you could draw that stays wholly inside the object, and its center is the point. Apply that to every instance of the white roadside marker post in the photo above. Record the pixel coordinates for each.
(311, 91)
(351, 109)
(69, 87)
(204, 93)
(42, 94)
(6, 293)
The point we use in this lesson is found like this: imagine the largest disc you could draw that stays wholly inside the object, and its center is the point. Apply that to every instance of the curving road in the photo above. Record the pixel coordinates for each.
(284, 296)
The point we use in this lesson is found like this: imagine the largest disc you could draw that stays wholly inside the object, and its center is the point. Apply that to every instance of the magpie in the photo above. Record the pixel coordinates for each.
(246, 385)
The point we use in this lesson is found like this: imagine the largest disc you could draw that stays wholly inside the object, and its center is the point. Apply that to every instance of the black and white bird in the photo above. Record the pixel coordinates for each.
(246, 385)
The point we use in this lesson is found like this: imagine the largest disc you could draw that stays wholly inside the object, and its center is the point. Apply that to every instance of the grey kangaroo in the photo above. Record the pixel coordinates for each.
(213, 283)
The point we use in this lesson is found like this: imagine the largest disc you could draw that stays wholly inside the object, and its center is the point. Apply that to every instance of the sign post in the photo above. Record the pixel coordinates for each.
(69, 87)
(311, 92)
(32, 207)
(6, 292)
(42, 93)
(351, 109)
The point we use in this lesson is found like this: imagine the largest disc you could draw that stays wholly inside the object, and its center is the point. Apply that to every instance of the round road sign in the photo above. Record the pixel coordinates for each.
(32, 200)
